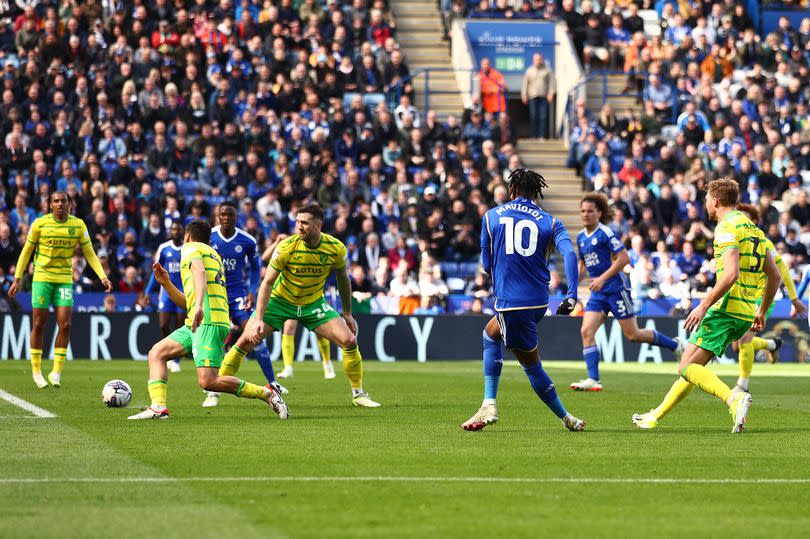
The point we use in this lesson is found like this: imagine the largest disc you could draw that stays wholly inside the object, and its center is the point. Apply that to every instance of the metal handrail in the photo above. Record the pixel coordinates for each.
(395, 91)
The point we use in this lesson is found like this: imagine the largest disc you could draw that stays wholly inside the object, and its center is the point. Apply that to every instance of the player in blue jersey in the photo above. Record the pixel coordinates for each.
(604, 257)
(516, 241)
(170, 316)
(242, 263)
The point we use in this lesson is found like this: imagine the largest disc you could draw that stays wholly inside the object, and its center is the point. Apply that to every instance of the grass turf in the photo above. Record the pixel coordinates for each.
(415, 434)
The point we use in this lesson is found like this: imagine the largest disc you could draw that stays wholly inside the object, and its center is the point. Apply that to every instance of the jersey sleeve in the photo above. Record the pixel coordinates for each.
(725, 238)
(614, 244)
(340, 257)
(255, 261)
(189, 253)
(486, 245)
(84, 235)
(281, 255)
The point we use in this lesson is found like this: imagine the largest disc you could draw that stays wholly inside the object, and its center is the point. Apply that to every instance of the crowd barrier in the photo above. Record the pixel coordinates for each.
(385, 338)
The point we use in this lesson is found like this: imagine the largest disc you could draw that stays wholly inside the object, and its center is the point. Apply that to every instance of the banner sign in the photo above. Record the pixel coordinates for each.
(509, 45)
(385, 338)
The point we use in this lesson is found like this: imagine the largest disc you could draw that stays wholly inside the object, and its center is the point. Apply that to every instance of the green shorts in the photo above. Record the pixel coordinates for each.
(44, 294)
(204, 345)
(313, 315)
(718, 330)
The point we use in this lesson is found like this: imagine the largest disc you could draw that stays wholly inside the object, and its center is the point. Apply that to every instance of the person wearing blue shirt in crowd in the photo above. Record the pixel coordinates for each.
(688, 261)
(516, 240)
(604, 257)
(170, 316)
(240, 256)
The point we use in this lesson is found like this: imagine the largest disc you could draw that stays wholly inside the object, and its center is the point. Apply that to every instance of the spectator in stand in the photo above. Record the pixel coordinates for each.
(493, 88)
(537, 90)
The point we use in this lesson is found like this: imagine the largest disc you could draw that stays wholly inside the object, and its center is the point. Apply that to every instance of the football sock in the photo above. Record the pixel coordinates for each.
(706, 380)
(544, 387)
(591, 355)
(287, 349)
(659, 339)
(157, 392)
(247, 390)
(232, 361)
(262, 354)
(36, 360)
(747, 354)
(59, 358)
(493, 365)
(353, 366)
(679, 391)
(325, 347)
(763, 344)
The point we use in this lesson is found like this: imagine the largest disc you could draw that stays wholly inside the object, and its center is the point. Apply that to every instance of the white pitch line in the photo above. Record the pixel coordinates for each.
(406, 479)
(25, 405)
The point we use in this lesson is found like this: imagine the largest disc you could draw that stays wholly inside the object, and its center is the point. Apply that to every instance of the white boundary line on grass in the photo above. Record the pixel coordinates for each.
(25, 405)
(406, 479)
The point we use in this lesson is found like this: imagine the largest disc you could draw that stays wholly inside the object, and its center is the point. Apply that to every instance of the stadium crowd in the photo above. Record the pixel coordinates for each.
(151, 112)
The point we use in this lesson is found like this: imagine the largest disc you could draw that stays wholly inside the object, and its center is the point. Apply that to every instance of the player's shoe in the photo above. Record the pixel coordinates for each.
(152, 413)
(174, 365)
(39, 380)
(645, 421)
(679, 349)
(572, 423)
(588, 384)
(361, 398)
(286, 372)
(211, 399)
(739, 409)
(486, 415)
(55, 379)
(273, 399)
(328, 370)
(278, 387)
(773, 355)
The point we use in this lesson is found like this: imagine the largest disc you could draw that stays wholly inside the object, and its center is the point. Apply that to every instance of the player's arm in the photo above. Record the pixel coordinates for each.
(731, 272)
(562, 242)
(804, 283)
(31, 241)
(771, 286)
(255, 277)
(798, 308)
(344, 286)
(620, 260)
(486, 246)
(92, 258)
(160, 275)
(256, 326)
(200, 291)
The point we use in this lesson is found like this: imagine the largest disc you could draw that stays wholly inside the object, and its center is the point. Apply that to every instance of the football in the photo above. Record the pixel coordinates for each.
(116, 394)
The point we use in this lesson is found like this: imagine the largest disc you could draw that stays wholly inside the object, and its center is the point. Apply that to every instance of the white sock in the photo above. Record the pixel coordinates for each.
(743, 383)
(488, 402)
(771, 345)
(356, 392)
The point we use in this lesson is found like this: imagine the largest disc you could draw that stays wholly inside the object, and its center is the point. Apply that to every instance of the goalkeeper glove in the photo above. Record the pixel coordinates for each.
(567, 306)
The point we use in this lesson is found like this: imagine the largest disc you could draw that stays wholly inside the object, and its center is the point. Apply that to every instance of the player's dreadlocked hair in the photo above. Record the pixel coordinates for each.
(526, 183)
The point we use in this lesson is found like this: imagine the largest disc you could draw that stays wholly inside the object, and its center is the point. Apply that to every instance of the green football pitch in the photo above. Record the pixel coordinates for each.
(406, 469)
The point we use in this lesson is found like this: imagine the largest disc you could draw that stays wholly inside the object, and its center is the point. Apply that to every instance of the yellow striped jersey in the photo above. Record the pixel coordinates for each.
(54, 242)
(303, 270)
(215, 306)
(784, 271)
(736, 231)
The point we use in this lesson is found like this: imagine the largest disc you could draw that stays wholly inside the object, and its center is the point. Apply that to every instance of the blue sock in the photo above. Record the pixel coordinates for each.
(663, 341)
(262, 355)
(544, 388)
(493, 364)
(591, 355)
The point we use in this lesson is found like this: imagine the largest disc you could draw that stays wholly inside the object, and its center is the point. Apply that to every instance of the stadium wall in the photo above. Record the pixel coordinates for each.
(385, 338)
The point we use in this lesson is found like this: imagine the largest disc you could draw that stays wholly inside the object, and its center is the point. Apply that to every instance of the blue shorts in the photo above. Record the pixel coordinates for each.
(519, 328)
(239, 315)
(166, 305)
(619, 303)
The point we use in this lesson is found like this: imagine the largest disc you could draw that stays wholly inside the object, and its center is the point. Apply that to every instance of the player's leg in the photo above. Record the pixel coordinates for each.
(177, 344)
(592, 320)
(178, 316)
(38, 321)
(519, 330)
(745, 358)
(493, 364)
(321, 318)
(288, 347)
(325, 348)
(64, 317)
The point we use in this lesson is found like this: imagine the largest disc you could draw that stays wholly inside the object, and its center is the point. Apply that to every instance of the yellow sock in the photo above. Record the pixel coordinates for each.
(325, 348)
(232, 361)
(36, 361)
(679, 391)
(353, 366)
(760, 344)
(707, 381)
(59, 358)
(287, 349)
(249, 391)
(157, 392)
(747, 359)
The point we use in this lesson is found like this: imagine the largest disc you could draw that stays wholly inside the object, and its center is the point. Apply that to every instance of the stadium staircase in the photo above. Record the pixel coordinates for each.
(608, 89)
(419, 33)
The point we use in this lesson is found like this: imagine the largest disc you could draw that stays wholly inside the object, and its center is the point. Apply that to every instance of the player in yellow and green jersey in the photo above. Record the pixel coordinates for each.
(749, 344)
(292, 289)
(52, 239)
(747, 280)
(205, 329)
